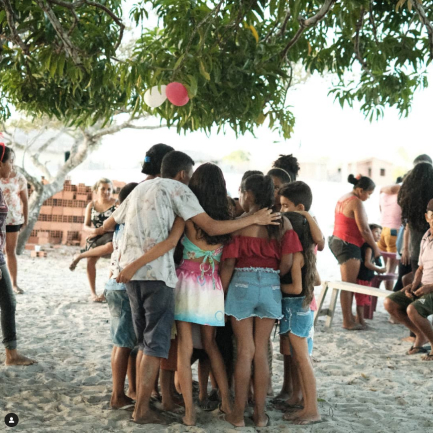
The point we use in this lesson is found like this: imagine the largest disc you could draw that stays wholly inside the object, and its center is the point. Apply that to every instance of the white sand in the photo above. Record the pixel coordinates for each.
(365, 382)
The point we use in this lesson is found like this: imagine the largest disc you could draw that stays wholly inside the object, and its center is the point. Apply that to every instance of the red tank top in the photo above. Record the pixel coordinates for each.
(346, 228)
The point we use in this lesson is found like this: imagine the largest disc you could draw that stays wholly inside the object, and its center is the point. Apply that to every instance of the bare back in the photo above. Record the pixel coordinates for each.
(191, 233)
(348, 204)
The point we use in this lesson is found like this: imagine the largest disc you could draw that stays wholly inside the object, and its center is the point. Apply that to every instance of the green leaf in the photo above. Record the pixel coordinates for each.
(203, 71)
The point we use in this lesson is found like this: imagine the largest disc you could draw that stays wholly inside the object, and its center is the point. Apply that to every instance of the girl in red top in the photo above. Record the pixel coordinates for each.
(351, 231)
(251, 264)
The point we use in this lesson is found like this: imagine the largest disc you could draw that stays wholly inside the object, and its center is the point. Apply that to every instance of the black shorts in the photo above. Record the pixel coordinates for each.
(343, 251)
(13, 228)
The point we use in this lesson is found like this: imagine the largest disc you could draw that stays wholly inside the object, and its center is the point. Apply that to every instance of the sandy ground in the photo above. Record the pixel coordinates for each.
(365, 382)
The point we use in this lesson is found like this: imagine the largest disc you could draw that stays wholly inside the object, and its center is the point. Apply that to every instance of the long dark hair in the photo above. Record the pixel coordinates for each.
(414, 195)
(262, 188)
(209, 186)
(302, 228)
(363, 182)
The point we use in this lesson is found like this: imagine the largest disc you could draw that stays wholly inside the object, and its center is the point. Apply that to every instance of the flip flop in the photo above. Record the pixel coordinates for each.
(418, 349)
(268, 422)
(428, 357)
(207, 405)
(128, 407)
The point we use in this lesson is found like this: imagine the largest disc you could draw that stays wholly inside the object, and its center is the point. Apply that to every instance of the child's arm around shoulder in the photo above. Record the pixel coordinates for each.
(156, 251)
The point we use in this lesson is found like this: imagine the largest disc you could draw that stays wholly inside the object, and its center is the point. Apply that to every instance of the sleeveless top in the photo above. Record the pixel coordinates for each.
(98, 218)
(287, 279)
(346, 228)
(390, 211)
(192, 251)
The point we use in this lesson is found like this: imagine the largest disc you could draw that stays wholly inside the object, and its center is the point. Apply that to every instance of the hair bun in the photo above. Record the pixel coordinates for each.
(352, 179)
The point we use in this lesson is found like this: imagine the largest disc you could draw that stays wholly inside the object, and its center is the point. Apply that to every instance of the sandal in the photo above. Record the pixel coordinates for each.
(414, 350)
(207, 405)
(428, 357)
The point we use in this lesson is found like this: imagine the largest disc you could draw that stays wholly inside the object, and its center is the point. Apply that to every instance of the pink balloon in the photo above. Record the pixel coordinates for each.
(177, 94)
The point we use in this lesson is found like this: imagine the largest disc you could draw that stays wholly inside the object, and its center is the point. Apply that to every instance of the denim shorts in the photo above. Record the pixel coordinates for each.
(343, 251)
(122, 329)
(254, 292)
(298, 319)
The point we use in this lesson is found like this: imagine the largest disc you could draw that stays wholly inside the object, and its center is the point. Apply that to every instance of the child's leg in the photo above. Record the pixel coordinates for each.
(119, 366)
(168, 367)
(243, 330)
(296, 398)
(262, 333)
(270, 391)
(91, 275)
(100, 251)
(310, 412)
(286, 389)
(218, 369)
(132, 375)
(360, 315)
(184, 354)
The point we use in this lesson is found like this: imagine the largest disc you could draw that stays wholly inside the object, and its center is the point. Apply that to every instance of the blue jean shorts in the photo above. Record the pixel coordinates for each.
(254, 292)
(122, 328)
(297, 319)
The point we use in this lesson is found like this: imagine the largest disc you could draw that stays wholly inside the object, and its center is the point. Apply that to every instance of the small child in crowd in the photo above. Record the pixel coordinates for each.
(298, 291)
(369, 265)
(297, 197)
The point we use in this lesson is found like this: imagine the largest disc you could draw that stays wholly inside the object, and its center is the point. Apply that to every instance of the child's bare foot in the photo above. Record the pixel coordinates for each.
(76, 259)
(262, 421)
(290, 415)
(307, 418)
(13, 357)
(189, 419)
(132, 395)
(150, 417)
(353, 327)
(234, 420)
(117, 402)
(18, 290)
(96, 298)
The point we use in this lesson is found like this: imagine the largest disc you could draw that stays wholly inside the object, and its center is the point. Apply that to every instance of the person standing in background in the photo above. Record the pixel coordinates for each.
(390, 212)
(14, 188)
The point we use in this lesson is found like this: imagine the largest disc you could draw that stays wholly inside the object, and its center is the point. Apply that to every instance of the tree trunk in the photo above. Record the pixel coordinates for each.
(35, 203)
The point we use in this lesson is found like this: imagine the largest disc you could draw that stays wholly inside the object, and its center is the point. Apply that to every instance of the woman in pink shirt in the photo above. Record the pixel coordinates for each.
(390, 212)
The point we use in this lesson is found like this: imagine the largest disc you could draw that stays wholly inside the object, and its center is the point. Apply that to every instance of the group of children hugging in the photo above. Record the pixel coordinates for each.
(195, 274)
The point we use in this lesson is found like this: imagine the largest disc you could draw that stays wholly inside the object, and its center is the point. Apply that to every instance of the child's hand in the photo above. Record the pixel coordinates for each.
(381, 270)
(126, 274)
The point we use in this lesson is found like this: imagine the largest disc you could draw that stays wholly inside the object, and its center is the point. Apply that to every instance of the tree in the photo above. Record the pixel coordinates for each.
(63, 57)
(85, 140)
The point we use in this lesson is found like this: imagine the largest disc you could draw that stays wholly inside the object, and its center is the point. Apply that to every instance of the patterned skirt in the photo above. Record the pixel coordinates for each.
(199, 296)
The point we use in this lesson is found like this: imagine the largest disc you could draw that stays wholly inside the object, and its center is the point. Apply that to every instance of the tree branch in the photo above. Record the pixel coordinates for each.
(70, 49)
(285, 22)
(11, 22)
(426, 22)
(305, 23)
(356, 47)
(373, 22)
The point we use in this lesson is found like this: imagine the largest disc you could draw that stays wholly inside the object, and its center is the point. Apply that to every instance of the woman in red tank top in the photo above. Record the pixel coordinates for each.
(351, 231)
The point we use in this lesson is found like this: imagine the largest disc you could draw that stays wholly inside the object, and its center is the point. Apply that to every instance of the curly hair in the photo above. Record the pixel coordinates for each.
(153, 160)
(301, 227)
(288, 163)
(209, 186)
(414, 195)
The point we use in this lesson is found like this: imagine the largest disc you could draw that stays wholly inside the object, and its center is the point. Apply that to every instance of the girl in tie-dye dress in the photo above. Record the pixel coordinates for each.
(199, 296)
